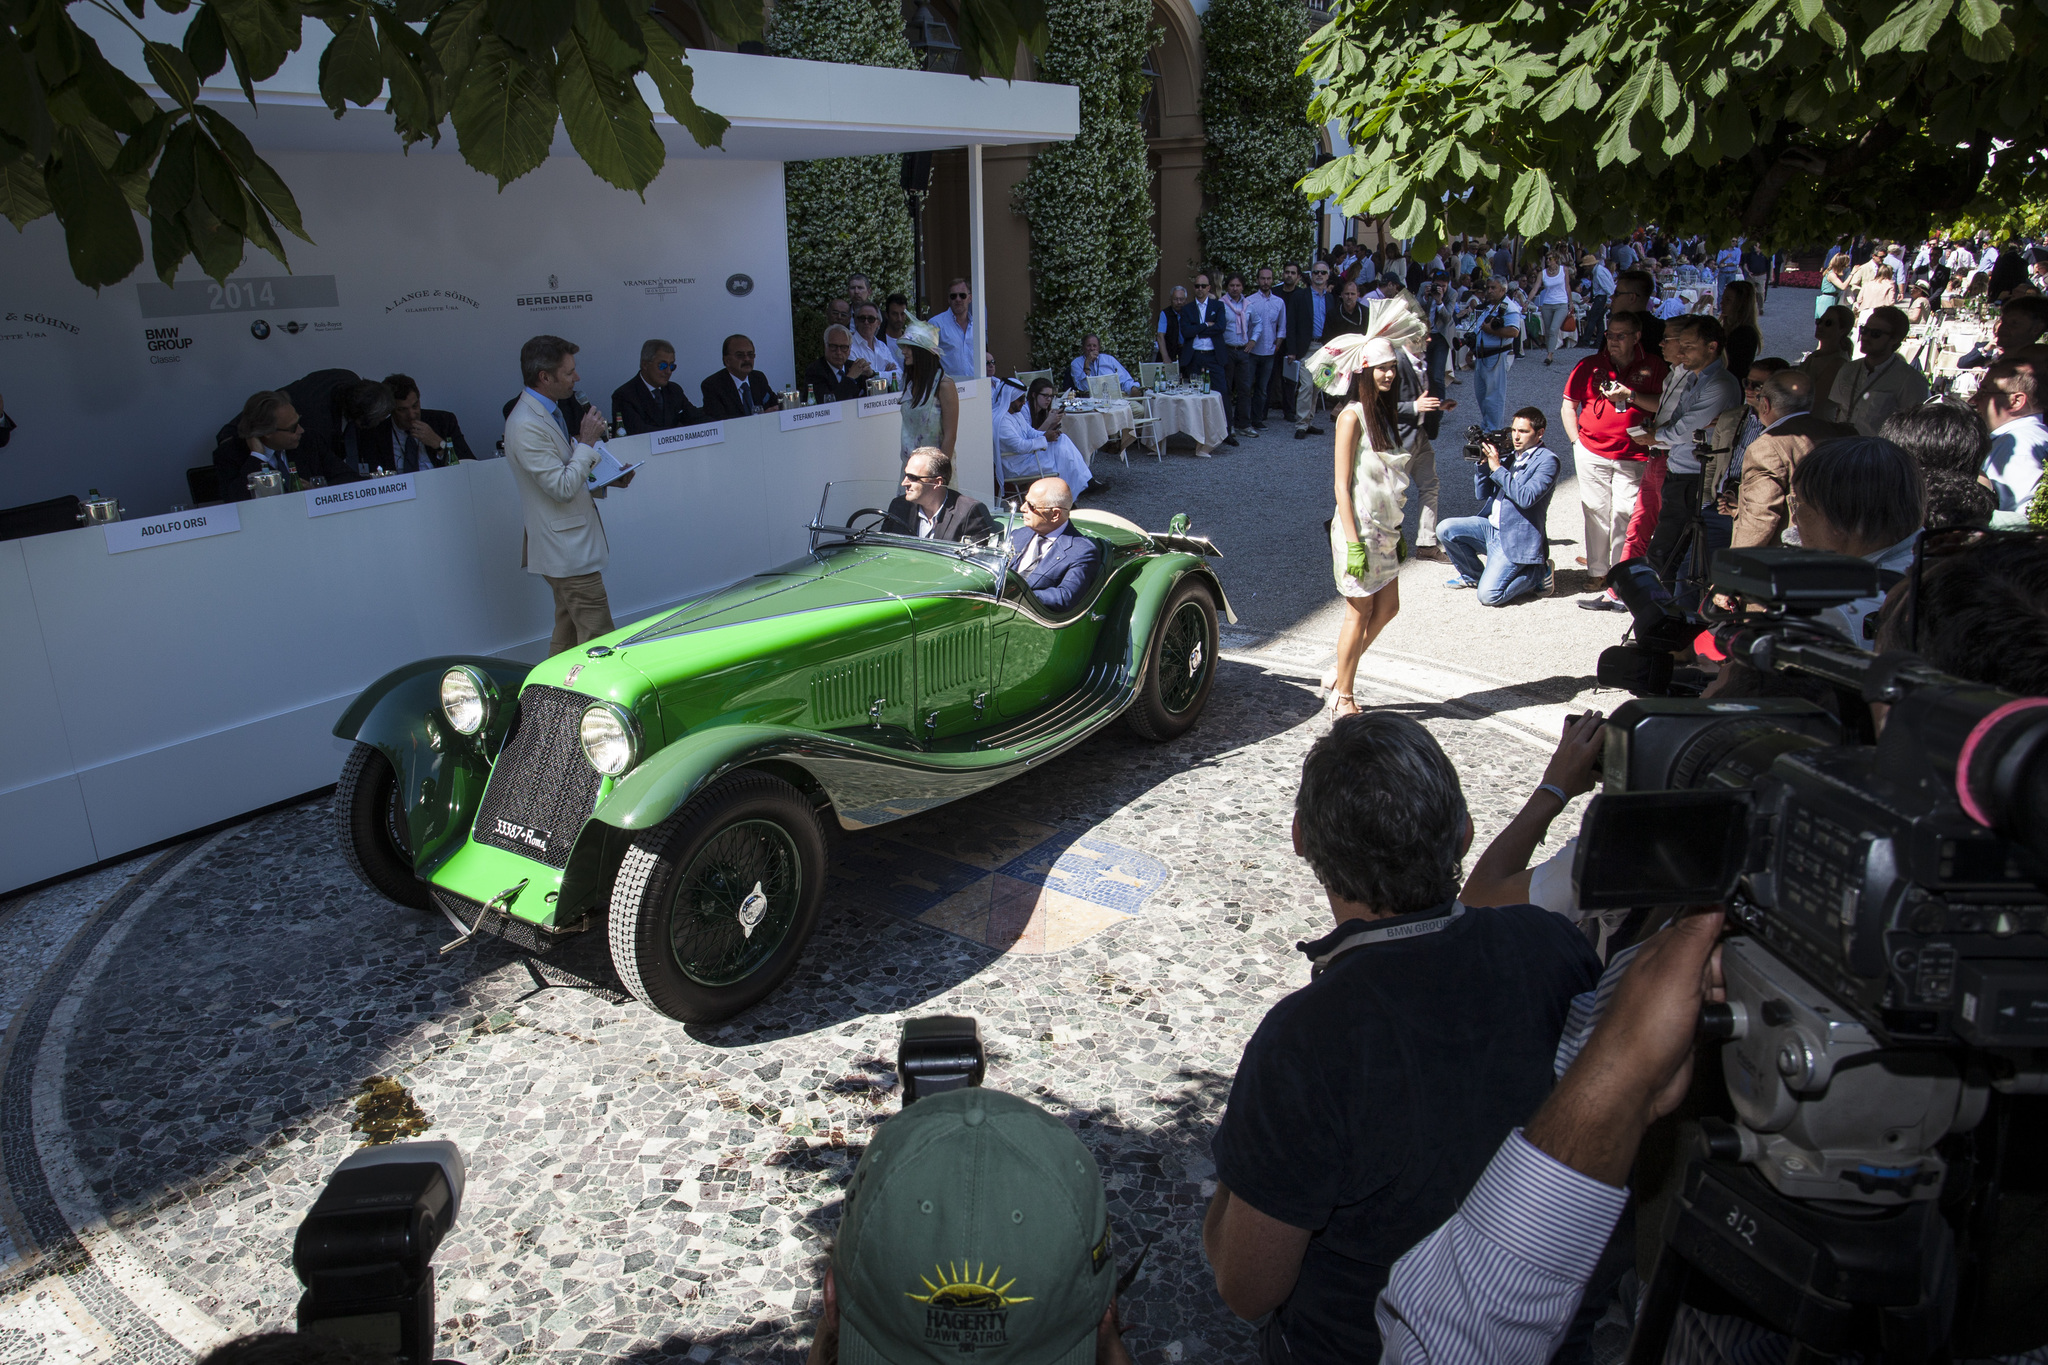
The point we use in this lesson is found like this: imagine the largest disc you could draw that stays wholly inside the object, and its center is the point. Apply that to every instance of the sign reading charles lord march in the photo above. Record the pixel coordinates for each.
(347, 497)
(123, 536)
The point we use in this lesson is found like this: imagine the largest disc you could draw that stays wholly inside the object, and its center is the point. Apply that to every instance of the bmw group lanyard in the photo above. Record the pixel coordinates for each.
(1366, 937)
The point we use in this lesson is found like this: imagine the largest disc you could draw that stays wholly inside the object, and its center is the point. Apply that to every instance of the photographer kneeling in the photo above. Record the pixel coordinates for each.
(1514, 490)
(1368, 1102)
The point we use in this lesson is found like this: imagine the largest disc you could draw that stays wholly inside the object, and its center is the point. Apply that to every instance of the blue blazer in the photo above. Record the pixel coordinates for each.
(1524, 490)
(1059, 579)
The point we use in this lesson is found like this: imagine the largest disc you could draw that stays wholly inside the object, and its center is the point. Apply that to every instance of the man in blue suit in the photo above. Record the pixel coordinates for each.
(1056, 562)
(1513, 488)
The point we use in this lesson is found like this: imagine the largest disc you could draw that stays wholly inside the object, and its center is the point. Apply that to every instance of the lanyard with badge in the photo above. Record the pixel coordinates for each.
(1389, 933)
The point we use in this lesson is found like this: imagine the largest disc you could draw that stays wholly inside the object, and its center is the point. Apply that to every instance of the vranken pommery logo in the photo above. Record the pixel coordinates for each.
(966, 1310)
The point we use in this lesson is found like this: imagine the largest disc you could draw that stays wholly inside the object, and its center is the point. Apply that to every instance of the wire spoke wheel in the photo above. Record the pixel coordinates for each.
(712, 907)
(1184, 658)
(735, 902)
(1180, 664)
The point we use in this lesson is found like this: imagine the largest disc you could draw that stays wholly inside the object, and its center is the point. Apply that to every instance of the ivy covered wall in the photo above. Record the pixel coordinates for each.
(1254, 116)
(847, 214)
(1089, 201)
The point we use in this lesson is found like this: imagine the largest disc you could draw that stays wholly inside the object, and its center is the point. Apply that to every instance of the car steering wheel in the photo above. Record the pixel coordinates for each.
(866, 512)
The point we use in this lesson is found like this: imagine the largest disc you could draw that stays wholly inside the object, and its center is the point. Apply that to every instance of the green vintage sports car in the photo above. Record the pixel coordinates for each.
(672, 780)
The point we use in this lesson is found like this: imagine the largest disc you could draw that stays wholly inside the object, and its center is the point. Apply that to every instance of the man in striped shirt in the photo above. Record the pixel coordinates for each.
(1499, 1282)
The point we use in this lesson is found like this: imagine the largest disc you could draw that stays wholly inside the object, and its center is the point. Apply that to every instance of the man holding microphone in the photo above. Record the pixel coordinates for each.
(564, 541)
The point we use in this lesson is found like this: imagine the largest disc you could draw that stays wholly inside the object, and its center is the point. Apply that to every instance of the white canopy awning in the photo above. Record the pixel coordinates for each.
(781, 109)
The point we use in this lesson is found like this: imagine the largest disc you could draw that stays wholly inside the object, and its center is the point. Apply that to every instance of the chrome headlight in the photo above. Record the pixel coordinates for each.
(609, 740)
(466, 699)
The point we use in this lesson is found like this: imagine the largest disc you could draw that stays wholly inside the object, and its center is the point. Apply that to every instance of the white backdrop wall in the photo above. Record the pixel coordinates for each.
(419, 266)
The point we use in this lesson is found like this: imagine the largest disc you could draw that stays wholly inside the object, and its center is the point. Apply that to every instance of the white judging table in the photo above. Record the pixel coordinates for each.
(159, 687)
(1090, 429)
(1199, 415)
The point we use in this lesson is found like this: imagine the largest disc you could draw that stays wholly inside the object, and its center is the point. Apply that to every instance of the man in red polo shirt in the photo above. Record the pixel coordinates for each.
(1616, 471)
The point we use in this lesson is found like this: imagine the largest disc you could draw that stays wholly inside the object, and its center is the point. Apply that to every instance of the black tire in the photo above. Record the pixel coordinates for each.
(1180, 665)
(371, 822)
(677, 937)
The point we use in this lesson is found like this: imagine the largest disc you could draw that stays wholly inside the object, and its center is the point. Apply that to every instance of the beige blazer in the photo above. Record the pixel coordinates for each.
(564, 536)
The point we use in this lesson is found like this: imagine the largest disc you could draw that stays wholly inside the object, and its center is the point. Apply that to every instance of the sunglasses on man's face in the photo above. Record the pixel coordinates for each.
(956, 296)
(665, 366)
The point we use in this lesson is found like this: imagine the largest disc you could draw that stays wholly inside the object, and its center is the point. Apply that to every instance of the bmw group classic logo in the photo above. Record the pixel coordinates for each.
(260, 330)
(739, 286)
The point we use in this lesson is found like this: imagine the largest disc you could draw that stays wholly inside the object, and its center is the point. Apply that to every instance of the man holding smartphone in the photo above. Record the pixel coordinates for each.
(1597, 417)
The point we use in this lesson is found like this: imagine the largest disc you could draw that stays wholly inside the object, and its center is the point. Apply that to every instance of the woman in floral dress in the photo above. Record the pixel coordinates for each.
(1371, 481)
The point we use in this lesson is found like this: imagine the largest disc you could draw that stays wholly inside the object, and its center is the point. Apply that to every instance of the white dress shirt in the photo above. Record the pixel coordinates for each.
(882, 357)
(1271, 310)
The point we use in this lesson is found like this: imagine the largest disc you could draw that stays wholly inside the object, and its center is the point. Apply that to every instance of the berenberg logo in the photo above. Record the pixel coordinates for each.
(966, 1310)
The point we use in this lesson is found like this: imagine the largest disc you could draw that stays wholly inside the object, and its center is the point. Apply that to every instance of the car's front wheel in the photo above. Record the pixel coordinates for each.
(370, 819)
(1180, 664)
(713, 906)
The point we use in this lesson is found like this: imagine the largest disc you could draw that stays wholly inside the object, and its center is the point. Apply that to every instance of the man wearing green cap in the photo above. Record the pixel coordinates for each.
(974, 1225)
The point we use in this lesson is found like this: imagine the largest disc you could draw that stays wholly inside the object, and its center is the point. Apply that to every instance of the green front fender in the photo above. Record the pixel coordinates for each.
(1149, 591)
(658, 788)
(441, 774)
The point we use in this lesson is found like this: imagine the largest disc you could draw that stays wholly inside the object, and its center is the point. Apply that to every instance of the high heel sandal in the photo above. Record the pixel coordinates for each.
(1328, 682)
(1342, 704)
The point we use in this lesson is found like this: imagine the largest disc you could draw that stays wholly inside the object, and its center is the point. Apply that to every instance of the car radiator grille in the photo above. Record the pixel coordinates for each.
(542, 788)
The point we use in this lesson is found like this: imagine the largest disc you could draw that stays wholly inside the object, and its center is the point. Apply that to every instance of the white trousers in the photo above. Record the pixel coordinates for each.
(1060, 459)
(1607, 491)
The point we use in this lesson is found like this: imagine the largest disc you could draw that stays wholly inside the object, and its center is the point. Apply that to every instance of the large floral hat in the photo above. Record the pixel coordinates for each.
(922, 335)
(1397, 319)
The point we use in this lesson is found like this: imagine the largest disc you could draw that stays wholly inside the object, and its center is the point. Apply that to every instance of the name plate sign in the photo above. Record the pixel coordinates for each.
(880, 404)
(123, 536)
(682, 438)
(967, 388)
(824, 413)
(347, 497)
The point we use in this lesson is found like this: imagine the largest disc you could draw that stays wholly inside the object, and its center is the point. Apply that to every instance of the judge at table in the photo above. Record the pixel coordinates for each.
(738, 390)
(651, 400)
(1092, 362)
(1033, 446)
(837, 377)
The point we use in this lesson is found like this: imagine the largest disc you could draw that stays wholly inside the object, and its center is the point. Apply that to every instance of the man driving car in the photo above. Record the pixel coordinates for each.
(929, 510)
(1054, 562)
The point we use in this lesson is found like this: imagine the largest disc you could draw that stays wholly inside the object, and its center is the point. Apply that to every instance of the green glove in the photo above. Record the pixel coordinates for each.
(1354, 560)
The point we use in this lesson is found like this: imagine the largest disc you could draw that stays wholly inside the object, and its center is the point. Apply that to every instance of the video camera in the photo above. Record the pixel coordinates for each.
(1477, 438)
(1892, 969)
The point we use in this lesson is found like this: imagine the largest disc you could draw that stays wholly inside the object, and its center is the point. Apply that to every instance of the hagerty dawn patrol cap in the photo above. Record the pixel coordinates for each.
(974, 1226)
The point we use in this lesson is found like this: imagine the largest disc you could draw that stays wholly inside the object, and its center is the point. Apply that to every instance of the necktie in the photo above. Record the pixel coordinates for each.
(746, 394)
(1033, 552)
(562, 420)
(412, 454)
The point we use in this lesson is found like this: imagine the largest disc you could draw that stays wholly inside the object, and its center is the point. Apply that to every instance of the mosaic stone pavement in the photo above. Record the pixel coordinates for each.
(638, 1191)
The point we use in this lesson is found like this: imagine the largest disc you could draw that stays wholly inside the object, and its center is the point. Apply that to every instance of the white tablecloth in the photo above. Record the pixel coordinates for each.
(1093, 430)
(1199, 415)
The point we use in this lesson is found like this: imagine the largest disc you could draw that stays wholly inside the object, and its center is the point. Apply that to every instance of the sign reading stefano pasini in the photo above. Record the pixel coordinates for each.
(554, 299)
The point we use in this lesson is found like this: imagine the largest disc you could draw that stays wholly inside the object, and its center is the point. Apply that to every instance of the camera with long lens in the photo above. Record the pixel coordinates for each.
(1477, 438)
(365, 1251)
(1890, 969)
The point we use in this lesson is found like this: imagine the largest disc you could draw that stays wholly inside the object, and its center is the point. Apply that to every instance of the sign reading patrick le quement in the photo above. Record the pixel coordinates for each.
(123, 536)
(347, 497)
